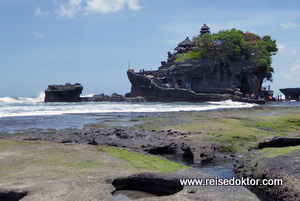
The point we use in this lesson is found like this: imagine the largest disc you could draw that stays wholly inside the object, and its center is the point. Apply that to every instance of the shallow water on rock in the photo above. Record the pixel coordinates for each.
(219, 170)
(223, 171)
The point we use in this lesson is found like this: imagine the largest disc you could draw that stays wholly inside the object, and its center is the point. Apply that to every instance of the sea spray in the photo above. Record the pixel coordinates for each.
(16, 107)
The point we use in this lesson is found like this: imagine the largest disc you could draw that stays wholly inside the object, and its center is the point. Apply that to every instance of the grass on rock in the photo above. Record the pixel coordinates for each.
(273, 152)
(239, 130)
(144, 162)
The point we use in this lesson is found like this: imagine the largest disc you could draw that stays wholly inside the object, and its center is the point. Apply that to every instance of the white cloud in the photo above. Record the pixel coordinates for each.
(38, 34)
(39, 11)
(289, 25)
(296, 66)
(69, 10)
(292, 77)
(109, 6)
(294, 52)
(281, 48)
(95, 6)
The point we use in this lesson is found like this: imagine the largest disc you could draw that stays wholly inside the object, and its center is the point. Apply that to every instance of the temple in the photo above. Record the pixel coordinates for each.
(196, 80)
(205, 29)
(185, 46)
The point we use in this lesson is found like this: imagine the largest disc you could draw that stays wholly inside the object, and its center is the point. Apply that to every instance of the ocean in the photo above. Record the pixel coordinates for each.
(21, 113)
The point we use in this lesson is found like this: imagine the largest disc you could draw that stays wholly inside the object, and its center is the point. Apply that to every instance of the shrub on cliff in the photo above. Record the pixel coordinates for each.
(227, 45)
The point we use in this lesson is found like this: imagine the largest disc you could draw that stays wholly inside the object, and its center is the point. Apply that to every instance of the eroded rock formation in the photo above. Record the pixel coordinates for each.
(63, 93)
(197, 81)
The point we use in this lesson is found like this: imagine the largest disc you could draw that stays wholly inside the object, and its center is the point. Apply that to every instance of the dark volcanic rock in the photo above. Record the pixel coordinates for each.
(152, 142)
(8, 195)
(155, 183)
(291, 93)
(257, 165)
(152, 90)
(63, 93)
(279, 142)
(113, 98)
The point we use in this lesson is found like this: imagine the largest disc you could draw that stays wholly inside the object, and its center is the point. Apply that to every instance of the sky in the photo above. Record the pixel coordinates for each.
(91, 42)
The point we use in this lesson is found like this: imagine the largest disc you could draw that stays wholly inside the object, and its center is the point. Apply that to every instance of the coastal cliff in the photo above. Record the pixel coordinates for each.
(153, 91)
(214, 67)
(197, 81)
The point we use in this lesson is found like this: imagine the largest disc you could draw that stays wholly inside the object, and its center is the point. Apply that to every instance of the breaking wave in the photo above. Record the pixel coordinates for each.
(15, 107)
(22, 100)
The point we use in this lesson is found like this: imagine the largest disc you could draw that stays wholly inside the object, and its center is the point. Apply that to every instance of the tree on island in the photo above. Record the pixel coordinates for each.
(228, 45)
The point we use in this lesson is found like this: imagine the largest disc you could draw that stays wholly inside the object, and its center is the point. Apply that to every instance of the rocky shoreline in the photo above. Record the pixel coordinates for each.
(71, 93)
(211, 137)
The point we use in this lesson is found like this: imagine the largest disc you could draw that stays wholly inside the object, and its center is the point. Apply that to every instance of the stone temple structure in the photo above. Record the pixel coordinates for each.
(196, 80)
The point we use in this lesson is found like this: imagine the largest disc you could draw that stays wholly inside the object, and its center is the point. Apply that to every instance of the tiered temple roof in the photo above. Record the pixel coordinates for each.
(205, 29)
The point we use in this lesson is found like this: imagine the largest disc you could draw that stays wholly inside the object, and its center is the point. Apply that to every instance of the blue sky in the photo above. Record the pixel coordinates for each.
(91, 41)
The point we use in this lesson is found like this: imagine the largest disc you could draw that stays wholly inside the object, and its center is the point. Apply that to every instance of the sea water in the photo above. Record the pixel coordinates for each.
(23, 113)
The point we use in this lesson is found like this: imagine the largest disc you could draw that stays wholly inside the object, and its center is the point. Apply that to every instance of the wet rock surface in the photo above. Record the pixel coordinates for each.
(149, 141)
(192, 145)
(12, 195)
(154, 183)
(279, 142)
(113, 98)
(264, 165)
(57, 171)
(161, 183)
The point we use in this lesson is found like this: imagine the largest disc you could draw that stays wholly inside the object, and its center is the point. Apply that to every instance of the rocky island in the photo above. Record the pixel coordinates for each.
(63, 93)
(291, 93)
(213, 67)
(71, 93)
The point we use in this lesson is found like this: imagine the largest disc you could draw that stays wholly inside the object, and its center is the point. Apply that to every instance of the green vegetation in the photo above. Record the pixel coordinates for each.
(56, 171)
(235, 131)
(273, 152)
(225, 45)
(142, 161)
(39, 161)
(189, 55)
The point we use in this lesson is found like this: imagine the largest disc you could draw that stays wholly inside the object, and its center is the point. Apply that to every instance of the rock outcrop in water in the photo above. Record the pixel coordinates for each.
(201, 79)
(63, 93)
(71, 93)
(113, 98)
(291, 93)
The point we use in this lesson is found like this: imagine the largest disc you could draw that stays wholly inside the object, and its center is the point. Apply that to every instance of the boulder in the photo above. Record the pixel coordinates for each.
(63, 93)
(273, 163)
(279, 142)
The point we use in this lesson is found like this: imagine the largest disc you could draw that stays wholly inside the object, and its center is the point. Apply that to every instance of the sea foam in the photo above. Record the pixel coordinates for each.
(15, 107)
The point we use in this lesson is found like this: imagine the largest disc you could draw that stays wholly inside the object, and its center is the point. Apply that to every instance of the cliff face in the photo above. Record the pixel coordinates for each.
(196, 81)
(208, 76)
